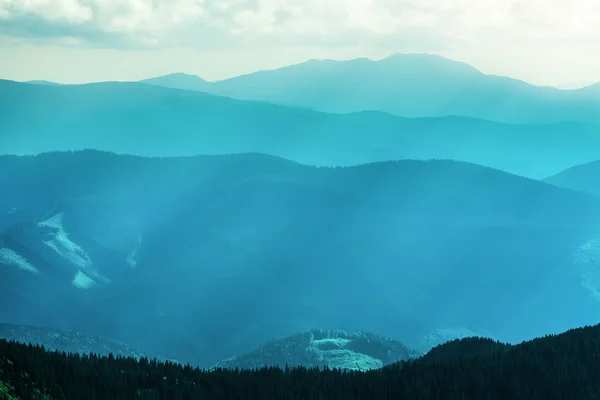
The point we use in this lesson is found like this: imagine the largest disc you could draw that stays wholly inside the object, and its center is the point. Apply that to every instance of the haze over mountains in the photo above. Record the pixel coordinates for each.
(204, 258)
(408, 85)
(148, 120)
(413, 197)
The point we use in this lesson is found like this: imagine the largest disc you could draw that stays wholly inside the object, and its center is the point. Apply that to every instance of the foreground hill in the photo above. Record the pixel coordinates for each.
(409, 85)
(585, 178)
(359, 351)
(148, 120)
(553, 367)
(204, 258)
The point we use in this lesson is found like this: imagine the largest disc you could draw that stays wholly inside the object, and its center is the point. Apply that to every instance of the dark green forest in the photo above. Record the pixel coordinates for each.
(564, 366)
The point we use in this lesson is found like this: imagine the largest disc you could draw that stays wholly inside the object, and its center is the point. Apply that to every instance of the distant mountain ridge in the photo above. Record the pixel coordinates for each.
(408, 85)
(149, 120)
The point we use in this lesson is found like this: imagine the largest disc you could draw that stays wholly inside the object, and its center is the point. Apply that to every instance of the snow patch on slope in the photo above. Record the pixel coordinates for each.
(333, 351)
(12, 258)
(132, 256)
(62, 245)
(82, 281)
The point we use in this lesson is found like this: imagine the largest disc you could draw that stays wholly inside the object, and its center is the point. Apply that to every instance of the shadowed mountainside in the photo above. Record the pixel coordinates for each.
(204, 258)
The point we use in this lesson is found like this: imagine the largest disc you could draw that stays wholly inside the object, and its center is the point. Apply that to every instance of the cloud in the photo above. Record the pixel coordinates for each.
(226, 23)
(71, 11)
(141, 22)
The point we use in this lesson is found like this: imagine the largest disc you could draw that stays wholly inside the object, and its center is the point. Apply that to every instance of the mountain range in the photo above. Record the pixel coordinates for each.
(413, 197)
(408, 85)
(147, 120)
(204, 258)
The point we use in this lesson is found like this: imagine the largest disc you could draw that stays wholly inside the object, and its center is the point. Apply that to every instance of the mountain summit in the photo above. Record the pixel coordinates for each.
(409, 85)
(180, 80)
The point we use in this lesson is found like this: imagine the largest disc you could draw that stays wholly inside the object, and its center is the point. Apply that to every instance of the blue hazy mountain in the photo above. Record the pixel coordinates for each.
(585, 178)
(204, 258)
(148, 120)
(181, 80)
(43, 82)
(409, 85)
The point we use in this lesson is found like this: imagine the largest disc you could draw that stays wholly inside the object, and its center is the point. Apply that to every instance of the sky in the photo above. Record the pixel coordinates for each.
(544, 42)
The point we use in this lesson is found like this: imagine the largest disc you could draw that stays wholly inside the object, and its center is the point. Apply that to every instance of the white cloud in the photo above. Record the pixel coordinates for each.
(70, 11)
(171, 21)
(139, 21)
(448, 18)
(145, 15)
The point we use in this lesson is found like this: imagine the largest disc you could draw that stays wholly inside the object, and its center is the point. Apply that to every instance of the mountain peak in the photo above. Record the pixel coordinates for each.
(427, 59)
(179, 80)
(183, 75)
(43, 82)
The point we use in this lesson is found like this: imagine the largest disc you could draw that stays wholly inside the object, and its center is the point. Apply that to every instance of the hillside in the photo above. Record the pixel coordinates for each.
(69, 342)
(148, 120)
(409, 85)
(550, 368)
(358, 351)
(155, 252)
(585, 178)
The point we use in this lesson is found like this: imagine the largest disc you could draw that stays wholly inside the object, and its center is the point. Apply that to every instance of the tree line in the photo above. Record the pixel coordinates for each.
(561, 367)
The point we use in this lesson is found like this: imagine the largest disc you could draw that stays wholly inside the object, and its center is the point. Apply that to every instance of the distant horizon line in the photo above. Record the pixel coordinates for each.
(562, 86)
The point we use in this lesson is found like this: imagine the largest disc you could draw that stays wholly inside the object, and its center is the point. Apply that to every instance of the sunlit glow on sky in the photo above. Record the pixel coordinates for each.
(552, 42)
